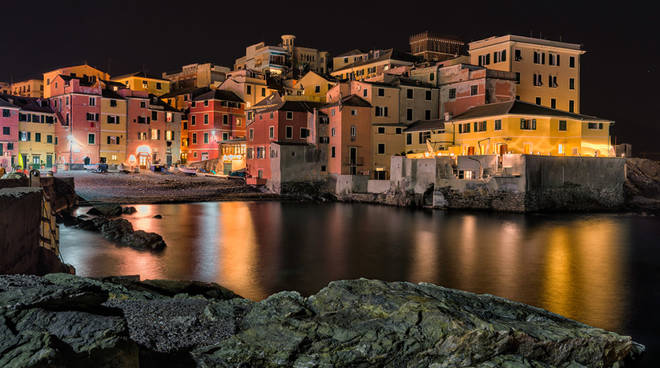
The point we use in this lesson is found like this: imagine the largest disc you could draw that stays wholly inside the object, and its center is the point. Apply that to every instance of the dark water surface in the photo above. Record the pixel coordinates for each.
(601, 269)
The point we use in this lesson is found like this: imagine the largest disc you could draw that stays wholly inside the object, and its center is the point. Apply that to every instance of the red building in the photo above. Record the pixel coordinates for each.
(8, 132)
(77, 105)
(274, 121)
(214, 117)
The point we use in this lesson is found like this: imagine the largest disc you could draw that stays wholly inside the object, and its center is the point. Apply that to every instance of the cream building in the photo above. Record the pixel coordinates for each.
(547, 72)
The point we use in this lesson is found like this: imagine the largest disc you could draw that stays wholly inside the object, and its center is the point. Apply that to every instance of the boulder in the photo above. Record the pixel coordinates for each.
(121, 231)
(128, 210)
(158, 216)
(108, 210)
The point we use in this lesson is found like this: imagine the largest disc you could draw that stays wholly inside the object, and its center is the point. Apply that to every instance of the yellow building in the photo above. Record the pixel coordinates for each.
(28, 88)
(76, 71)
(140, 81)
(387, 140)
(348, 58)
(426, 136)
(547, 72)
(521, 128)
(249, 85)
(311, 87)
(113, 128)
(36, 132)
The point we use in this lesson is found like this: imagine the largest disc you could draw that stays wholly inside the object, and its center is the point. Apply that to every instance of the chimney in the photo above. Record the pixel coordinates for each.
(447, 116)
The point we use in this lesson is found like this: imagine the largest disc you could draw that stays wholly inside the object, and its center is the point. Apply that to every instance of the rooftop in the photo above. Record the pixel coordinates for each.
(516, 107)
(218, 94)
(422, 125)
(140, 75)
(522, 39)
(390, 54)
(352, 100)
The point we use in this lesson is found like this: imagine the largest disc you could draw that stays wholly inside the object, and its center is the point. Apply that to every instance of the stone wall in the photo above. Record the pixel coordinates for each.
(20, 223)
(293, 164)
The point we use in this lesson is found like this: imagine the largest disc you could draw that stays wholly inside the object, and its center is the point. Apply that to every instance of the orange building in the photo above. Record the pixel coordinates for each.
(83, 71)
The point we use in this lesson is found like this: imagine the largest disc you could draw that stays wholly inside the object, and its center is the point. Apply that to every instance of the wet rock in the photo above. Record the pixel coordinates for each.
(371, 323)
(108, 210)
(158, 216)
(129, 210)
(121, 231)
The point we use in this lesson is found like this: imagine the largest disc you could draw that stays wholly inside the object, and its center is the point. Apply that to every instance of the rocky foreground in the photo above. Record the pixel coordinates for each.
(63, 320)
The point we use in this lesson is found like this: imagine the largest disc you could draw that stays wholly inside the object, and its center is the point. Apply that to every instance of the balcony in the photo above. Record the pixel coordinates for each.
(359, 161)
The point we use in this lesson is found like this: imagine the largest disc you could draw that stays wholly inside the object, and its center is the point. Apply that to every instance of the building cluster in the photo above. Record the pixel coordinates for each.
(346, 114)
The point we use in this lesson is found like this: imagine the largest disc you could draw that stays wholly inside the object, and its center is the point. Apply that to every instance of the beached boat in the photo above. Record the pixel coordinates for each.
(188, 170)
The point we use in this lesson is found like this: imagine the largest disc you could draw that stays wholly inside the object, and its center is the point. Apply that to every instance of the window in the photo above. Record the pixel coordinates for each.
(271, 132)
(427, 115)
(571, 83)
(194, 138)
(354, 112)
(261, 153)
(248, 90)
(431, 76)
(364, 92)
(206, 102)
(154, 115)
(194, 104)
(332, 132)
(67, 100)
(538, 79)
(452, 93)
(6, 113)
(113, 103)
(593, 125)
(528, 124)
(518, 55)
(408, 138)
(562, 125)
(571, 62)
(92, 117)
(251, 134)
(263, 92)
(553, 103)
(538, 100)
(225, 119)
(498, 124)
(289, 132)
(6, 130)
(381, 92)
(169, 135)
(92, 101)
(571, 106)
(317, 89)
(206, 119)
(143, 104)
(483, 126)
(145, 84)
(552, 81)
(560, 149)
(409, 114)
(517, 77)
(381, 130)
(24, 136)
(473, 90)
(37, 137)
(206, 137)
(409, 93)
(193, 120)
(91, 138)
(381, 148)
(398, 130)
(353, 131)
(428, 95)
(249, 153)
(332, 151)
(289, 115)
(304, 132)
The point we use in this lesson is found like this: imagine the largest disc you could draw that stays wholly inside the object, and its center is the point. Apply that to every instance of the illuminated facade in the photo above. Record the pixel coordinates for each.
(433, 47)
(85, 71)
(8, 132)
(140, 81)
(28, 88)
(215, 117)
(377, 62)
(113, 121)
(36, 135)
(196, 76)
(548, 72)
(311, 87)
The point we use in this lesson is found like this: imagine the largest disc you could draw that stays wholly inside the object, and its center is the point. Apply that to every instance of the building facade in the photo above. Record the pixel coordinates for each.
(8, 132)
(547, 72)
(84, 71)
(377, 63)
(433, 47)
(140, 81)
(196, 76)
(28, 88)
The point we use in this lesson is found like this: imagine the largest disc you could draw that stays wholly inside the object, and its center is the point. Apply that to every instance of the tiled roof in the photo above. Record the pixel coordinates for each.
(352, 100)
(516, 107)
(84, 81)
(108, 93)
(421, 125)
(141, 75)
(384, 55)
(352, 52)
(218, 94)
(6, 103)
(33, 104)
(300, 106)
(194, 91)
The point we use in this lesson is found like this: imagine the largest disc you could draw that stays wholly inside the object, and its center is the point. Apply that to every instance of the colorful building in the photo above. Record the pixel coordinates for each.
(311, 87)
(5, 88)
(275, 121)
(140, 81)
(251, 86)
(347, 58)
(181, 100)
(84, 71)
(284, 59)
(196, 75)
(77, 104)
(548, 72)
(350, 136)
(430, 46)
(215, 116)
(36, 132)
(28, 88)
(8, 132)
(513, 127)
(113, 121)
(378, 62)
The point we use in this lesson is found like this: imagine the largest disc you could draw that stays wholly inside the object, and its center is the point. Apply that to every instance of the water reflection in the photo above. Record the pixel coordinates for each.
(572, 265)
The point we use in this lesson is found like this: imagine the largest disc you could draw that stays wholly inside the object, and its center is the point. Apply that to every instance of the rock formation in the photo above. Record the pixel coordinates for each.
(63, 320)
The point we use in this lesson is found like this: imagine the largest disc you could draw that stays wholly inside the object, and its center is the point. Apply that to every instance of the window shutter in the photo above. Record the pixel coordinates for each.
(533, 124)
(522, 123)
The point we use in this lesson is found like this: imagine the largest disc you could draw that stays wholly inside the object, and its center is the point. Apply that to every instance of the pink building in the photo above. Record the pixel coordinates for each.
(77, 105)
(463, 86)
(215, 116)
(274, 121)
(8, 132)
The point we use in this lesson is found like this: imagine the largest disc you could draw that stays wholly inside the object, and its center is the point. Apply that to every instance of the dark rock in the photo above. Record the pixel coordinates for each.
(128, 210)
(108, 210)
(158, 216)
(121, 231)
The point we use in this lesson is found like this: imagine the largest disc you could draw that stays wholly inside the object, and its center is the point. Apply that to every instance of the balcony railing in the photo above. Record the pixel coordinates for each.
(358, 161)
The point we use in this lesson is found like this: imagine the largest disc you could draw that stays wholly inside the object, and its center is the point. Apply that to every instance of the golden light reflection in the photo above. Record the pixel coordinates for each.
(424, 257)
(468, 253)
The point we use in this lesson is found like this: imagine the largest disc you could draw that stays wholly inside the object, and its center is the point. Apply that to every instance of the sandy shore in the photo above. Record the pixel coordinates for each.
(149, 187)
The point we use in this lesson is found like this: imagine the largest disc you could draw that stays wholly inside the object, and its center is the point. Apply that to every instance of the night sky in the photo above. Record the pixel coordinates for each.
(620, 80)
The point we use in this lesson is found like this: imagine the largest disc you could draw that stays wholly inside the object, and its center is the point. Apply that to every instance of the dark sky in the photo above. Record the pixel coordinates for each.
(620, 80)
